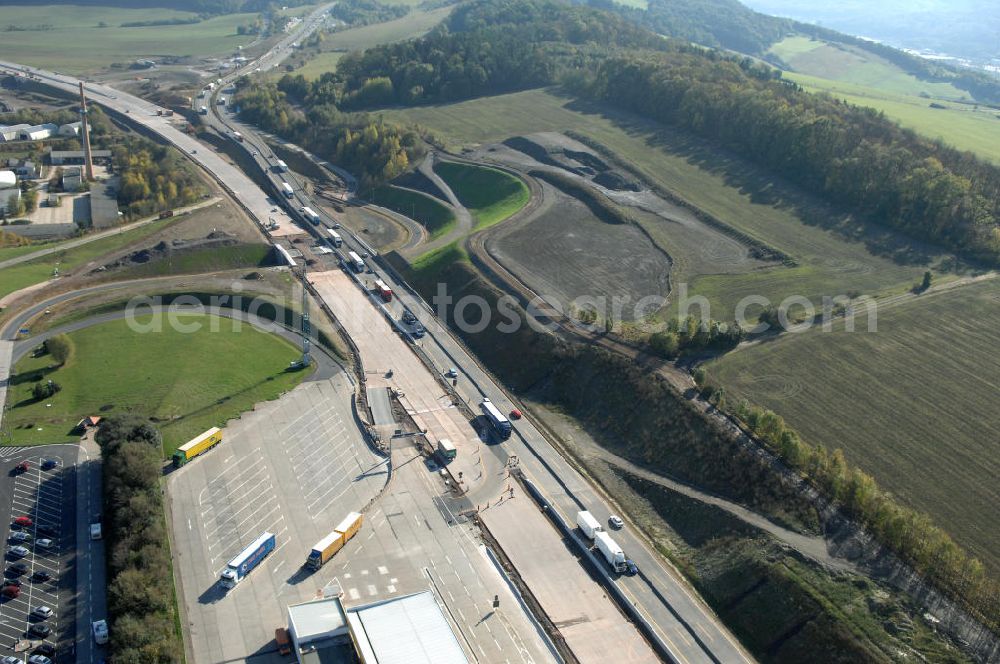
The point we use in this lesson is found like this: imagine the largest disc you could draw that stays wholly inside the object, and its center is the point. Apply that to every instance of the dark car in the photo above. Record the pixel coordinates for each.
(48, 464)
(46, 649)
(12, 582)
(631, 569)
(41, 575)
(18, 569)
(40, 629)
(10, 592)
(47, 530)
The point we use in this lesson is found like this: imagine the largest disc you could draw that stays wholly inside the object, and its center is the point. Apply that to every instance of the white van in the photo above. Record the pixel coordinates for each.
(95, 531)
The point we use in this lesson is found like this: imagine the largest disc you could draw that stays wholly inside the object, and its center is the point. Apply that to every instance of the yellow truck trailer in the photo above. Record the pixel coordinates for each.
(198, 445)
(335, 541)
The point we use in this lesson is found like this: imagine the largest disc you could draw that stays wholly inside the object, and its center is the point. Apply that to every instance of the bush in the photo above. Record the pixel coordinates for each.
(44, 390)
(61, 348)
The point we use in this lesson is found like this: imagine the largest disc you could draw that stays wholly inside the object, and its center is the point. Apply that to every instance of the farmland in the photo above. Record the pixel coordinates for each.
(566, 253)
(913, 403)
(196, 381)
(489, 194)
(70, 39)
(834, 253)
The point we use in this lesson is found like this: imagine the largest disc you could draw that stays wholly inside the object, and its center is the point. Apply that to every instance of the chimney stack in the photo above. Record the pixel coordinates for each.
(87, 157)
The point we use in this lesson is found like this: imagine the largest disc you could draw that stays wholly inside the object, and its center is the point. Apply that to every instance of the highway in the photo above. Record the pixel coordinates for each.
(678, 616)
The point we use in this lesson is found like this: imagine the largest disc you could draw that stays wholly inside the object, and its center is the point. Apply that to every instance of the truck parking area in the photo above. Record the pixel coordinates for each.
(294, 467)
(43, 490)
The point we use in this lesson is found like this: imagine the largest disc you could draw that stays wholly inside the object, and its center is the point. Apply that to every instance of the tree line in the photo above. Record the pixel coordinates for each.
(373, 150)
(690, 334)
(851, 156)
(486, 47)
(141, 601)
(366, 12)
(911, 534)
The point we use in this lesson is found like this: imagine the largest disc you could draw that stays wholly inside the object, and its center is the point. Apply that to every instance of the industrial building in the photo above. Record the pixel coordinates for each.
(11, 132)
(75, 157)
(39, 132)
(71, 130)
(72, 178)
(410, 629)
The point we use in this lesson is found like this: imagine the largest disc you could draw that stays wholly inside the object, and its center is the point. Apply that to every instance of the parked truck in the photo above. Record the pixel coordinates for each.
(588, 524)
(286, 189)
(446, 449)
(335, 238)
(311, 215)
(196, 446)
(498, 421)
(612, 553)
(281, 167)
(246, 560)
(324, 549)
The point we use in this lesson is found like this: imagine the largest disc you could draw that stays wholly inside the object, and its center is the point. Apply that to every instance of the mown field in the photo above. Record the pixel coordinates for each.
(20, 276)
(835, 255)
(427, 211)
(188, 382)
(914, 403)
(67, 38)
(489, 194)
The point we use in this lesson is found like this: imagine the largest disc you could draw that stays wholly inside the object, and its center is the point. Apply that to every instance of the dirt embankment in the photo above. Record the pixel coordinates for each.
(637, 414)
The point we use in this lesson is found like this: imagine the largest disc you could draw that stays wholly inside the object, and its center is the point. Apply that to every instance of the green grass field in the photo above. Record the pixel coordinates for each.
(7, 253)
(914, 403)
(20, 276)
(854, 65)
(489, 194)
(731, 190)
(73, 42)
(430, 213)
(205, 259)
(188, 382)
(964, 126)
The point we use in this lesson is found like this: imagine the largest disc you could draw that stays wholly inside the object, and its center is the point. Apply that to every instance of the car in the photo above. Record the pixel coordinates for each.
(43, 543)
(408, 317)
(42, 612)
(18, 551)
(48, 531)
(46, 649)
(100, 631)
(95, 531)
(39, 659)
(516, 414)
(18, 569)
(451, 373)
(281, 638)
(21, 467)
(616, 522)
(20, 536)
(48, 464)
(41, 575)
(40, 630)
(10, 592)
(194, 151)
(10, 659)
(631, 569)
(23, 522)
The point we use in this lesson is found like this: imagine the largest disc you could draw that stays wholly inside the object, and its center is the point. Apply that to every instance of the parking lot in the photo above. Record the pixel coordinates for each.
(43, 491)
(294, 467)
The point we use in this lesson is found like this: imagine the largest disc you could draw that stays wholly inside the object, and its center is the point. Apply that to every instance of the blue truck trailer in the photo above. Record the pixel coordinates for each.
(246, 560)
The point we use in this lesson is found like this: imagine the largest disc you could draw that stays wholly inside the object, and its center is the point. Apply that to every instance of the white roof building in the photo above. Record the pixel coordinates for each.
(404, 630)
(71, 129)
(8, 179)
(39, 132)
(11, 132)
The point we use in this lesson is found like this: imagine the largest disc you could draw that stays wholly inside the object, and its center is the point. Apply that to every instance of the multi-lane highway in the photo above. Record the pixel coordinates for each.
(678, 617)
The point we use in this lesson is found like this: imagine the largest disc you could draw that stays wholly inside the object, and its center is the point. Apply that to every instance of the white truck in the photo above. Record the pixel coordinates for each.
(588, 524)
(335, 238)
(286, 189)
(281, 167)
(311, 215)
(612, 553)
